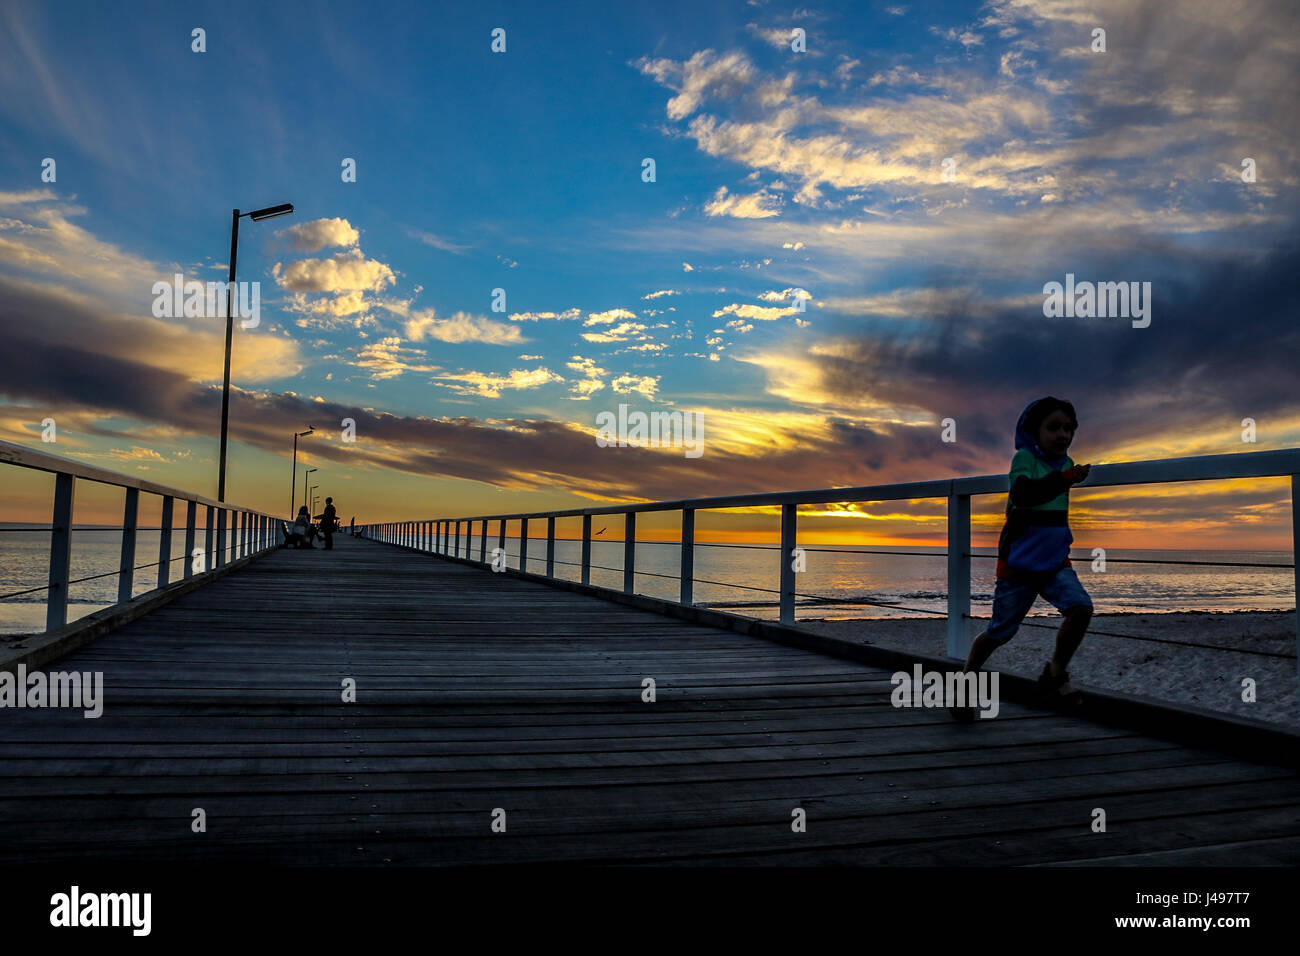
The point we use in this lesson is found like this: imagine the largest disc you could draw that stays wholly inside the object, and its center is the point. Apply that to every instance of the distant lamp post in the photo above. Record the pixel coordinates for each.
(314, 496)
(293, 482)
(257, 215)
(304, 483)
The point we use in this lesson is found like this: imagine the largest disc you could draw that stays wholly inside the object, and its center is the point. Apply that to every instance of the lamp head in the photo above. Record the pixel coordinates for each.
(270, 212)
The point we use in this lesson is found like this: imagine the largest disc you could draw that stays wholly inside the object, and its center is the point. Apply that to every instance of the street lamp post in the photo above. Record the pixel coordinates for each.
(304, 483)
(314, 496)
(270, 212)
(293, 482)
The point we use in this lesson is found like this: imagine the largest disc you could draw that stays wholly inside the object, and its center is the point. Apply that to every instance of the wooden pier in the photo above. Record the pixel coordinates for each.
(479, 692)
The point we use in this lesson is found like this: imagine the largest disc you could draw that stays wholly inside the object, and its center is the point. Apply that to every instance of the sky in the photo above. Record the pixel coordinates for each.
(843, 243)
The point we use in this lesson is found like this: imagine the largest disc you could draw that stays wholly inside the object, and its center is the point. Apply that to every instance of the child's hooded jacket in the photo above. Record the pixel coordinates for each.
(1036, 537)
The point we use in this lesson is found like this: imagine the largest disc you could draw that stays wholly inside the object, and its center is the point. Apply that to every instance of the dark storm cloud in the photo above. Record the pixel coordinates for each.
(1222, 345)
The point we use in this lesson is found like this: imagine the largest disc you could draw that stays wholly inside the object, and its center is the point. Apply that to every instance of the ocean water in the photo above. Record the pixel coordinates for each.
(846, 582)
(95, 554)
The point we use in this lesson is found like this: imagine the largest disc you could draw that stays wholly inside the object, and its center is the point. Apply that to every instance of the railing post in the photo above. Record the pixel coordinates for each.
(788, 533)
(688, 557)
(209, 540)
(550, 547)
(187, 562)
(56, 598)
(221, 539)
(629, 552)
(165, 541)
(1295, 559)
(958, 576)
(482, 541)
(455, 547)
(126, 570)
(586, 549)
(501, 537)
(523, 544)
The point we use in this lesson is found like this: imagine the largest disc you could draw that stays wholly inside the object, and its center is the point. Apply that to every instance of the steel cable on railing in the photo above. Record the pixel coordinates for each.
(92, 577)
(828, 599)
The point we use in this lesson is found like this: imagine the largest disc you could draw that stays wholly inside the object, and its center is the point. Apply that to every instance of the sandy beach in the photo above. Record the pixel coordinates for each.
(1201, 677)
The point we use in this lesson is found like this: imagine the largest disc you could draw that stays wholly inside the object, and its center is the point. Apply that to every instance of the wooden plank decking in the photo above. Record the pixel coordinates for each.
(477, 691)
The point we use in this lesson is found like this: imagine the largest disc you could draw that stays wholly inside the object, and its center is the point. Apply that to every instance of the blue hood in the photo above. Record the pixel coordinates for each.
(1026, 440)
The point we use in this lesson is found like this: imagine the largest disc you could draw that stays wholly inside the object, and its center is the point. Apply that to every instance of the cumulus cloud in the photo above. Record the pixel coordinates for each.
(647, 385)
(705, 75)
(747, 311)
(784, 295)
(591, 381)
(321, 233)
(461, 327)
(487, 385)
(608, 318)
(759, 205)
(539, 316)
(343, 271)
(388, 358)
(623, 332)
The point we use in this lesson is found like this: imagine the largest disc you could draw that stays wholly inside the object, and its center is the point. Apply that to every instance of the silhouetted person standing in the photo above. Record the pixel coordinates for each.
(328, 519)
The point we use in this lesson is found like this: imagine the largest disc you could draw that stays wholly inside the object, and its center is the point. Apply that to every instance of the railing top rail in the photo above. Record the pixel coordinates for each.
(1255, 464)
(24, 457)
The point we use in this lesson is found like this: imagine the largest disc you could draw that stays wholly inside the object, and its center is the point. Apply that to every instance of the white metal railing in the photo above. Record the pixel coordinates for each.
(250, 531)
(443, 535)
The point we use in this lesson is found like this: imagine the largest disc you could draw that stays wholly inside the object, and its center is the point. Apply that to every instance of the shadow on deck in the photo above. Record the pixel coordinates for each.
(477, 691)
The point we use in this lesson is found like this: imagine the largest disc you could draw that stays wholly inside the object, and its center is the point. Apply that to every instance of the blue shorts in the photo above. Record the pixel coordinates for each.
(1011, 602)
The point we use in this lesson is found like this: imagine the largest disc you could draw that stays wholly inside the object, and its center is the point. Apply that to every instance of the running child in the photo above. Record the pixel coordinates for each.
(1034, 548)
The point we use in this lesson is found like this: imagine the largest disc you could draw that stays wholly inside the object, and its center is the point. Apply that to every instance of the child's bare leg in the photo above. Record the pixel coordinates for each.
(980, 650)
(1068, 637)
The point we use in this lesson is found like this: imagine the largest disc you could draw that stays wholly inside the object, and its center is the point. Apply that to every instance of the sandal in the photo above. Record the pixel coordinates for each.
(1058, 688)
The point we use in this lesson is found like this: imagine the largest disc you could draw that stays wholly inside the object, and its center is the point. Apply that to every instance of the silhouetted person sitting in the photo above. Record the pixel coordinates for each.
(303, 530)
(328, 519)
